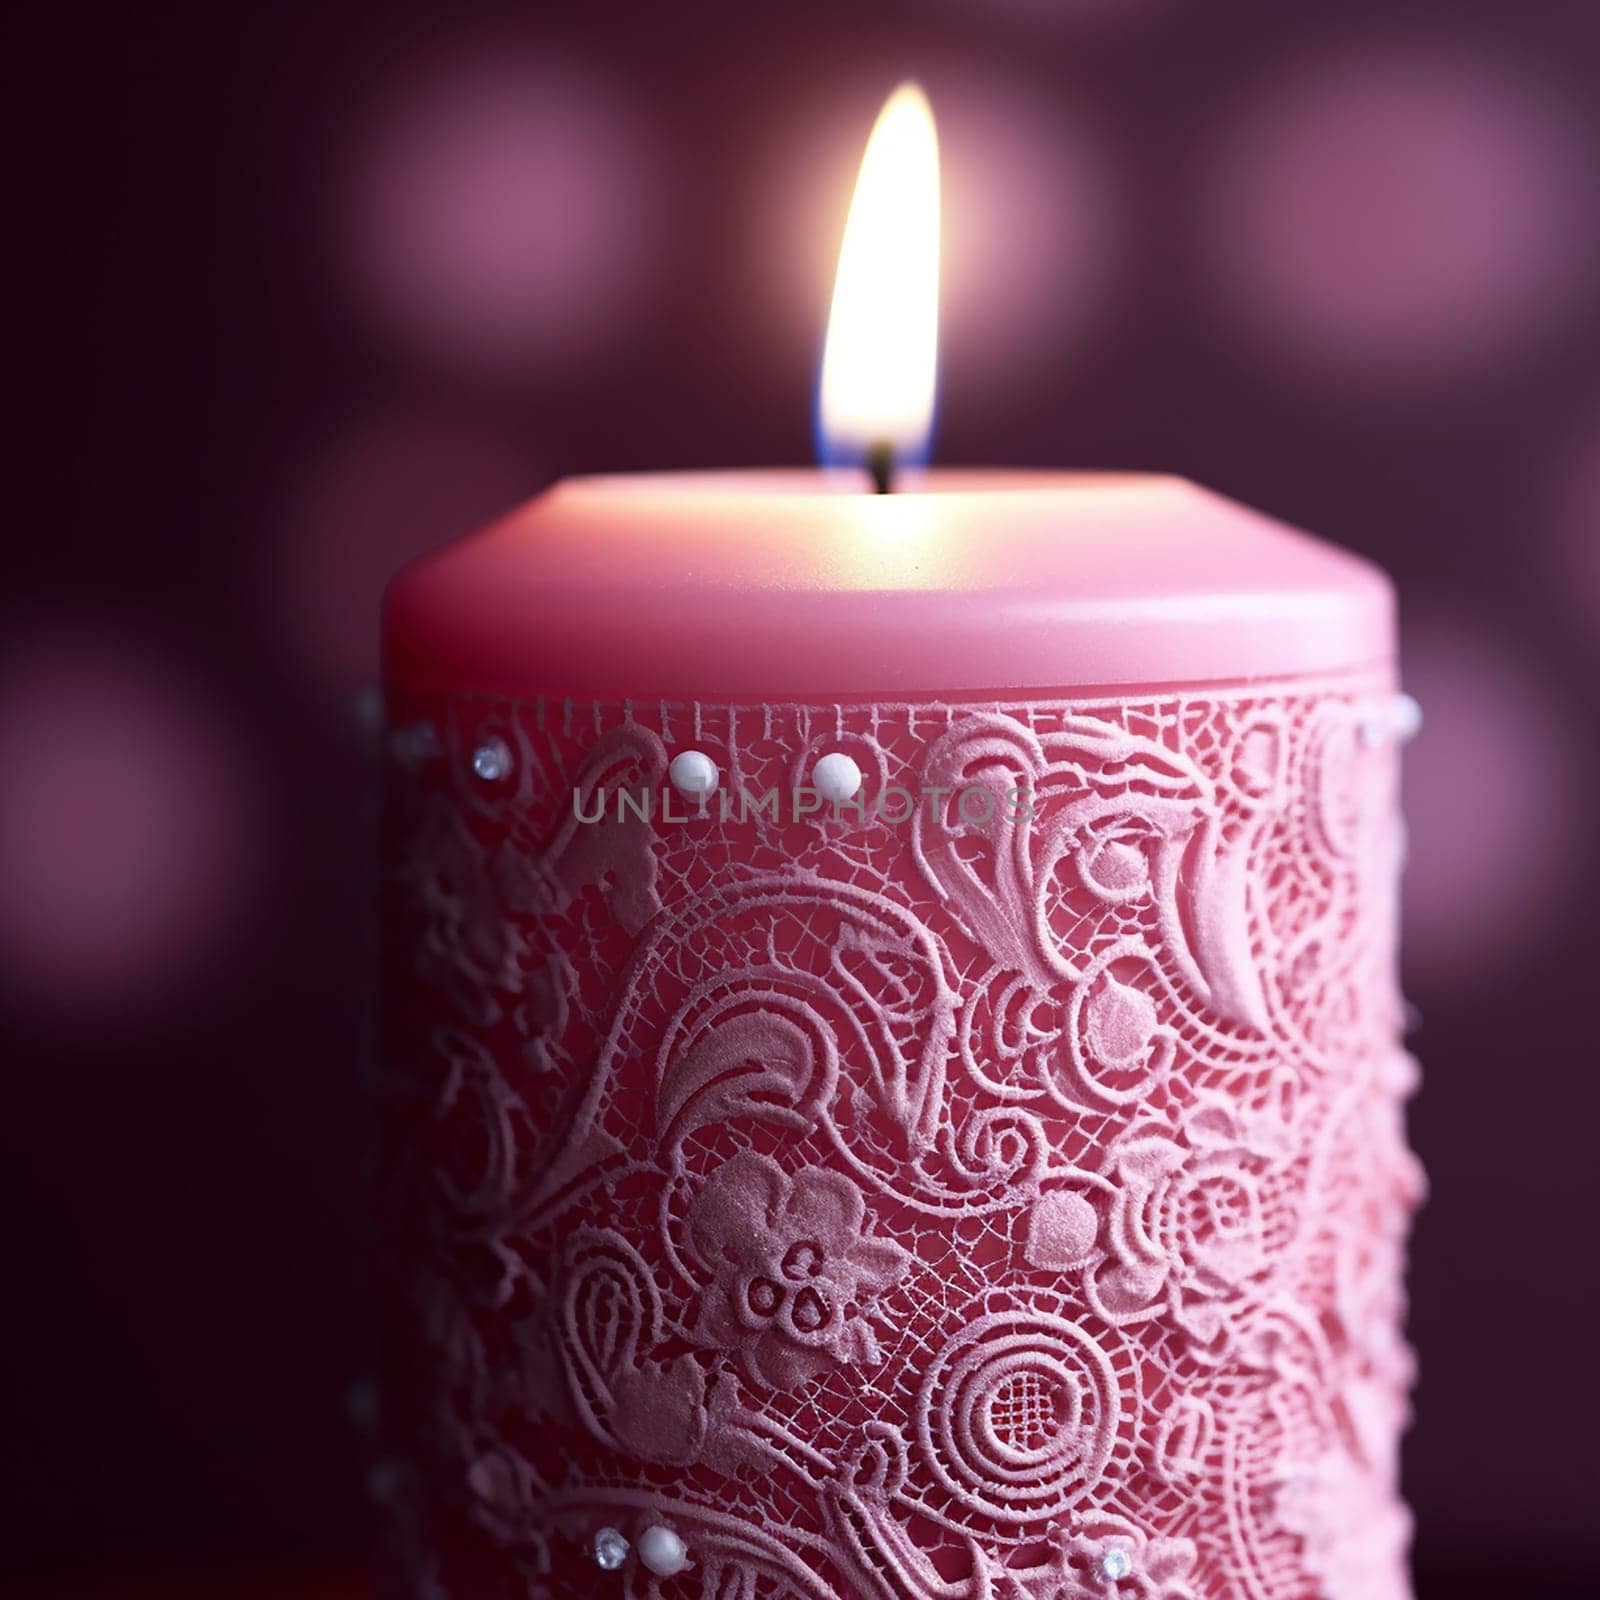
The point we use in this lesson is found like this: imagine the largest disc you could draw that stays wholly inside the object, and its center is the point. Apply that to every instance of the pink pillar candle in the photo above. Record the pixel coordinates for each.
(891, 1073)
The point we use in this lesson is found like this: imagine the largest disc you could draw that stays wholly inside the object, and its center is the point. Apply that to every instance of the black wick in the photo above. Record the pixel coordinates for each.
(880, 463)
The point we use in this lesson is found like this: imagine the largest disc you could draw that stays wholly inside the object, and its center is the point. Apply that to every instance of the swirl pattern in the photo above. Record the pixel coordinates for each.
(1003, 1198)
(1019, 1413)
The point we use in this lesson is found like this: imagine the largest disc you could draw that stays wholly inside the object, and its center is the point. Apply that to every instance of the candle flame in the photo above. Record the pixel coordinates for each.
(880, 361)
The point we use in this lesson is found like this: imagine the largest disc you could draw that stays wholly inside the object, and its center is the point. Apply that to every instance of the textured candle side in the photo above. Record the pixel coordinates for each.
(994, 1192)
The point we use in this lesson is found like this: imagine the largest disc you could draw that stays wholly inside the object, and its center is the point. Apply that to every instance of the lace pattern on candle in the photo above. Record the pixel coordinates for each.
(951, 1209)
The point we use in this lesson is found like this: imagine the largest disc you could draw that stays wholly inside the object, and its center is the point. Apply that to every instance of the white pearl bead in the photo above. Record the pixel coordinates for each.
(663, 1552)
(1406, 716)
(693, 773)
(1399, 718)
(836, 777)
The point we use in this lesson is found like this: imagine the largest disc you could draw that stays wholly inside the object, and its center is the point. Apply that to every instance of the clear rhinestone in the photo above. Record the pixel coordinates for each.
(1116, 1564)
(610, 1549)
(491, 760)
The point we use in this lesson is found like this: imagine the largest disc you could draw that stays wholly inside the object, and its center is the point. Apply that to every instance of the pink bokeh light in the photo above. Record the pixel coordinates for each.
(129, 837)
(1399, 211)
(1033, 233)
(506, 213)
(1492, 786)
(366, 503)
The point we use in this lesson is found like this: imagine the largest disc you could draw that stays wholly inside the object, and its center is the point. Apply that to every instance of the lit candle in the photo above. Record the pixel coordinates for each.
(891, 1055)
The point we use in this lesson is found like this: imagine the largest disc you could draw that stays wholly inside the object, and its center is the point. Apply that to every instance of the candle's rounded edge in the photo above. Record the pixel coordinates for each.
(776, 585)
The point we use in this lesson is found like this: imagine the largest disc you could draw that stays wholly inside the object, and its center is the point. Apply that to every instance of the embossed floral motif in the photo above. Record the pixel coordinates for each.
(660, 1410)
(504, 1493)
(1160, 1569)
(1105, 1559)
(605, 1321)
(477, 1174)
(1124, 835)
(1113, 859)
(483, 964)
(466, 947)
(1061, 1232)
(1184, 1230)
(796, 1271)
(1181, 1441)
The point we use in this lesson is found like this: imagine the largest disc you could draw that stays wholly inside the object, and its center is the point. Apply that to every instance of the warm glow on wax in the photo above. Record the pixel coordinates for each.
(880, 360)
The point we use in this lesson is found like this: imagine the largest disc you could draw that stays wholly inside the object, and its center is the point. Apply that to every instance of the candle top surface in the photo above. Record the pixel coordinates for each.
(799, 585)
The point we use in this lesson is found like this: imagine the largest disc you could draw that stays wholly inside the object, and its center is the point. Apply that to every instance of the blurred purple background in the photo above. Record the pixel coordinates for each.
(300, 291)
